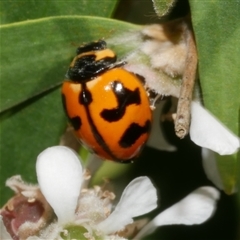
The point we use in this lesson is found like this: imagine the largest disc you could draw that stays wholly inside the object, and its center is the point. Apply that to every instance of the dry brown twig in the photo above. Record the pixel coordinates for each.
(182, 121)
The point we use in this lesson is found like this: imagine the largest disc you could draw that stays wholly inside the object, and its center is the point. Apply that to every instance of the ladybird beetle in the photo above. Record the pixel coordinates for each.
(107, 105)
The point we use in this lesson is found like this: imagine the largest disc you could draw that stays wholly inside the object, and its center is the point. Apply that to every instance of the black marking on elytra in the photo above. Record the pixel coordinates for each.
(125, 97)
(75, 121)
(85, 96)
(98, 137)
(92, 46)
(132, 133)
(86, 68)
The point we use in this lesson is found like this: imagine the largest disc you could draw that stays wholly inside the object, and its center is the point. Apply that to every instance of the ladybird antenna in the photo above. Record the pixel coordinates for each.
(154, 100)
(117, 64)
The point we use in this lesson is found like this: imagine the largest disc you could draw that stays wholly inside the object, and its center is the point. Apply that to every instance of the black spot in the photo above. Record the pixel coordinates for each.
(76, 122)
(85, 96)
(132, 133)
(124, 98)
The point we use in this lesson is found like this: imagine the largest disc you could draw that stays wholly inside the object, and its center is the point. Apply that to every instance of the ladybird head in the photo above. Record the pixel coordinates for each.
(86, 67)
(92, 46)
(92, 59)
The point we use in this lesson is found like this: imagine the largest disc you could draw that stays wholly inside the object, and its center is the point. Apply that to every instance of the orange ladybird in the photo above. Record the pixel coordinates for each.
(107, 106)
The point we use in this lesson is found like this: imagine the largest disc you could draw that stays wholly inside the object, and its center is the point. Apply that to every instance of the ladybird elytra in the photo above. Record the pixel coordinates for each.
(110, 112)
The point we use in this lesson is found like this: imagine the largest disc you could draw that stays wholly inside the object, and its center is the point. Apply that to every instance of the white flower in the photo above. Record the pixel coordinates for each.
(60, 177)
(196, 208)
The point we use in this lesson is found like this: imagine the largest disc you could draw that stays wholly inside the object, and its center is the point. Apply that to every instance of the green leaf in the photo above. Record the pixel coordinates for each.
(33, 66)
(36, 63)
(217, 34)
(162, 7)
(29, 129)
(15, 11)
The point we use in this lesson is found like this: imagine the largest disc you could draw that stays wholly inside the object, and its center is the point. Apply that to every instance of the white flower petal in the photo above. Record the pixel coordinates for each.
(138, 198)
(4, 235)
(156, 139)
(210, 167)
(196, 208)
(206, 131)
(59, 173)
